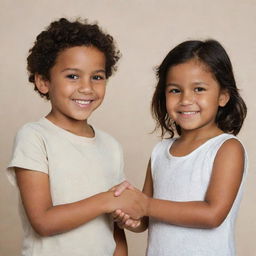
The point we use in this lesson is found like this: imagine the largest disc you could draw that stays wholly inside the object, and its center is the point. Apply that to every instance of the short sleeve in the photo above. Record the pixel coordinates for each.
(121, 177)
(29, 152)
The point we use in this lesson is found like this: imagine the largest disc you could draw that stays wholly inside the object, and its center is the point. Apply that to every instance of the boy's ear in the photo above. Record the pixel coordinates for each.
(41, 84)
(224, 98)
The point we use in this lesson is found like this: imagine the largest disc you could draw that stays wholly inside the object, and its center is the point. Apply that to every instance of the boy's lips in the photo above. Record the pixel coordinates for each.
(82, 102)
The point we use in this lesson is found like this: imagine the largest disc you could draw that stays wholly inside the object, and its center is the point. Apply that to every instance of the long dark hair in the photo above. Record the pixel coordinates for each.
(210, 52)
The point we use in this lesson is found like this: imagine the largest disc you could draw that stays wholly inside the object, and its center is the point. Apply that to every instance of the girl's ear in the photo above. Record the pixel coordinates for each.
(224, 98)
(41, 84)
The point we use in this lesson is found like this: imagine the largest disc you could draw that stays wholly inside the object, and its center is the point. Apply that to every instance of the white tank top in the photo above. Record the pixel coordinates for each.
(184, 179)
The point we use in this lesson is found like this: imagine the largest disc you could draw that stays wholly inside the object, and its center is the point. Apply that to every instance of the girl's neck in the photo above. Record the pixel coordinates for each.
(191, 140)
(200, 134)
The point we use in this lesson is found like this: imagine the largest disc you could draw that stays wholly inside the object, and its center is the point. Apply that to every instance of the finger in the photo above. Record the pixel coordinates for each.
(125, 218)
(121, 187)
(128, 223)
(113, 189)
(136, 224)
(116, 213)
(120, 217)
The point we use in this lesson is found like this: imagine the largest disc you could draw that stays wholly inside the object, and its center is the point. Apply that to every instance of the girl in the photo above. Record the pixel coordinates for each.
(194, 182)
(61, 164)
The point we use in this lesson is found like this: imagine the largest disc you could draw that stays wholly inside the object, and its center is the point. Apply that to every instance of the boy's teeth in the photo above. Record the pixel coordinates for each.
(82, 101)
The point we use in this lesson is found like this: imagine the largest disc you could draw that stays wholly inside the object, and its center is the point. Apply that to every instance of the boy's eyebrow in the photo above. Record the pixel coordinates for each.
(77, 69)
(200, 83)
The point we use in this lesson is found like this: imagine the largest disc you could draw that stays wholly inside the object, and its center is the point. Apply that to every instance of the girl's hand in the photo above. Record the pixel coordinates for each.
(118, 189)
(124, 221)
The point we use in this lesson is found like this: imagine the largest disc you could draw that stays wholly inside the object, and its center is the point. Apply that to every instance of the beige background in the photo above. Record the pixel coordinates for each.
(145, 31)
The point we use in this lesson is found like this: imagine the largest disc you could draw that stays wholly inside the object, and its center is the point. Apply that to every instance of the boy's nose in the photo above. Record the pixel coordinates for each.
(85, 86)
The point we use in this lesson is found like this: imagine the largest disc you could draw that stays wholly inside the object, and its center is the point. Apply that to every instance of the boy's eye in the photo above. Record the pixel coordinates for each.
(199, 89)
(98, 77)
(72, 76)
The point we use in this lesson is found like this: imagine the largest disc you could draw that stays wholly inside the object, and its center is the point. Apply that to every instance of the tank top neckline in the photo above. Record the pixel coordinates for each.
(194, 151)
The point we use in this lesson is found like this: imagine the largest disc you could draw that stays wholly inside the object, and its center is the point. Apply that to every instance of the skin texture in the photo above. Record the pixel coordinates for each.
(76, 88)
(78, 77)
(192, 99)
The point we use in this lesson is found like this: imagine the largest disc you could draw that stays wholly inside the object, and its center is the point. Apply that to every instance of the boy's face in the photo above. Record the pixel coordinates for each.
(77, 84)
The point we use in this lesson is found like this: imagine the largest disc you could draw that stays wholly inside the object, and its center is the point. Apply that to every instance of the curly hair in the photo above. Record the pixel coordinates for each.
(229, 118)
(63, 34)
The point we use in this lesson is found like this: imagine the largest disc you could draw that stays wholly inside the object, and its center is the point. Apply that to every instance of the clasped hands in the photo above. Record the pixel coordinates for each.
(132, 205)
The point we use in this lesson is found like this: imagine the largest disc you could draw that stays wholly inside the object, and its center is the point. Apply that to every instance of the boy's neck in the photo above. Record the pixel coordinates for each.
(77, 127)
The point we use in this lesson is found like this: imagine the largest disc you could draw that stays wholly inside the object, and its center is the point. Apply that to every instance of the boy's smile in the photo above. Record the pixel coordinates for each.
(76, 86)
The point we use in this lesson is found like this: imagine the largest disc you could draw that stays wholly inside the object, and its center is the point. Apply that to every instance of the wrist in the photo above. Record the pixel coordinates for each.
(106, 201)
(148, 206)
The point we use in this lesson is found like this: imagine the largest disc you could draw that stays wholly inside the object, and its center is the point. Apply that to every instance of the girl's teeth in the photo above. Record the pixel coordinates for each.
(189, 112)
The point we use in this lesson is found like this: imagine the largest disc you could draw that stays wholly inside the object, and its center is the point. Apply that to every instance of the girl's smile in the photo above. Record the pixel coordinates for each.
(193, 96)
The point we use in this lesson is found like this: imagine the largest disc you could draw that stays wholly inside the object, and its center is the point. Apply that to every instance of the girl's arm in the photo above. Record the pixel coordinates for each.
(121, 244)
(222, 190)
(47, 219)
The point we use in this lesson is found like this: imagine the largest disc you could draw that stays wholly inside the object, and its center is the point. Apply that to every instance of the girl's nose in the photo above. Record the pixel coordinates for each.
(187, 98)
(85, 86)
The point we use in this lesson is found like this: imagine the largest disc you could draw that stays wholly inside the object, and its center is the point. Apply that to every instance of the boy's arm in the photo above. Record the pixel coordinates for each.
(121, 244)
(47, 219)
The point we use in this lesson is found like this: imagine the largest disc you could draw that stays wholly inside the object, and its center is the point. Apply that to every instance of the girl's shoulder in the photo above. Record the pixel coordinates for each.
(225, 143)
(228, 139)
(162, 145)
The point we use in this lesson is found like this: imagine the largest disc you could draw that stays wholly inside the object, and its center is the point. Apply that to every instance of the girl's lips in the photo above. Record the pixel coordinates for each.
(187, 114)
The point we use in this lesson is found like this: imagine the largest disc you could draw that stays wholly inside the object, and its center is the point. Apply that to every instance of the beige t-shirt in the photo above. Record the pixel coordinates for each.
(78, 167)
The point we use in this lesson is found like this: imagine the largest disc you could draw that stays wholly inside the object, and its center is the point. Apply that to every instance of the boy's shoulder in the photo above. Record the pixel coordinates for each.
(29, 127)
(105, 136)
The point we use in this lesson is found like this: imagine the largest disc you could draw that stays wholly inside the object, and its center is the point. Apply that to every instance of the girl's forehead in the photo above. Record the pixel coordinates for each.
(189, 72)
(192, 63)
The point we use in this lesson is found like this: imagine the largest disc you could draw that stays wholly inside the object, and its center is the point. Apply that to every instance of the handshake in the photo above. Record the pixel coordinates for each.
(131, 205)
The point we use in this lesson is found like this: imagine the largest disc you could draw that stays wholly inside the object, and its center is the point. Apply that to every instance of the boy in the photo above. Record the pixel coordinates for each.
(61, 164)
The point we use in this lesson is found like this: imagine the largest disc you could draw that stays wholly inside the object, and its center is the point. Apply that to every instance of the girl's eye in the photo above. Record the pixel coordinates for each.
(174, 90)
(72, 76)
(199, 89)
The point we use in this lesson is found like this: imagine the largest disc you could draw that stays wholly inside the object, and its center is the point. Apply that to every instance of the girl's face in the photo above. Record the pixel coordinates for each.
(77, 84)
(193, 96)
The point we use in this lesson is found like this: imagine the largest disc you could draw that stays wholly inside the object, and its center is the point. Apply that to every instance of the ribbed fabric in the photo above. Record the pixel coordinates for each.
(186, 179)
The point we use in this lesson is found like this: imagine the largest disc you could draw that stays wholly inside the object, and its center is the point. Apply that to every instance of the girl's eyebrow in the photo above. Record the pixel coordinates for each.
(194, 83)
(172, 84)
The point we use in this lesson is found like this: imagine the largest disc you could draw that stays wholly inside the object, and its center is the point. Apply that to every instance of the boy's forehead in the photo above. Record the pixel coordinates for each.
(81, 56)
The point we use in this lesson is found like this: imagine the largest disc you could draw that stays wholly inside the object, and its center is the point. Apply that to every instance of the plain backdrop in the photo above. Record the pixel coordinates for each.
(145, 30)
